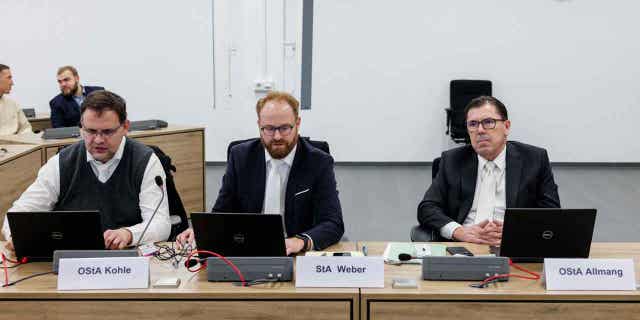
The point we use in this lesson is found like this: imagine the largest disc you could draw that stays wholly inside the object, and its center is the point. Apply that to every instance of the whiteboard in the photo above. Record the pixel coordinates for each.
(568, 72)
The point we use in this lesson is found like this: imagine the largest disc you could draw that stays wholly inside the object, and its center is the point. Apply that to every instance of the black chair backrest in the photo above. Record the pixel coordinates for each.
(176, 207)
(461, 93)
(435, 167)
(322, 145)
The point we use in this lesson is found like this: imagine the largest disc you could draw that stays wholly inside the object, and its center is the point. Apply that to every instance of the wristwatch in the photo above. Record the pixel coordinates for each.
(306, 241)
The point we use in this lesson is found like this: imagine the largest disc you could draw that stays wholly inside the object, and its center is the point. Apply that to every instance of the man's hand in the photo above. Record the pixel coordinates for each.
(294, 245)
(117, 239)
(493, 232)
(184, 238)
(485, 232)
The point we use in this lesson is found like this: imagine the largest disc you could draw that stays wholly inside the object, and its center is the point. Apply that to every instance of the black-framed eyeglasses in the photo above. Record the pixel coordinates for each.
(487, 123)
(284, 130)
(106, 133)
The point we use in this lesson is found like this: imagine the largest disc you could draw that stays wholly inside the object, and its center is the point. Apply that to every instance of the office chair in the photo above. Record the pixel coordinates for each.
(177, 212)
(426, 234)
(461, 93)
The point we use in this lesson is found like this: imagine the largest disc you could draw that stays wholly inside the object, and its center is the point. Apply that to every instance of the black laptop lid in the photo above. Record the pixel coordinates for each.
(239, 234)
(36, 235)
(537, 233)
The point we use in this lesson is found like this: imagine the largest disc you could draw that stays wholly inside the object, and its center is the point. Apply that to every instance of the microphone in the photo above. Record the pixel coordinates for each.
(159, 183)
(405, 257)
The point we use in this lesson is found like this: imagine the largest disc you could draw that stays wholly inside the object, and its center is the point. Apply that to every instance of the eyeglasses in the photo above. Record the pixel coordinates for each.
(284, 130)
(488, 123)
(106, 133)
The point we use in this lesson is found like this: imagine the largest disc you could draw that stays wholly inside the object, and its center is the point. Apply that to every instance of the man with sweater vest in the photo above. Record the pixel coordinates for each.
(104, 171)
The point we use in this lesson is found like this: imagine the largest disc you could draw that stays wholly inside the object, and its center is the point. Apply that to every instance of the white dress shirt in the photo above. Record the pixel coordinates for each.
(285, 167)
(43, 194)
(500, 196)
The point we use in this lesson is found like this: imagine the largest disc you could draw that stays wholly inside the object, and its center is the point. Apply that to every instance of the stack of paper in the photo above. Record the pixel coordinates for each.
(415, 250)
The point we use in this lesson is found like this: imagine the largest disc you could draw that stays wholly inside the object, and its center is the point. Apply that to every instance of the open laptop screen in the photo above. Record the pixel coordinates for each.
(36, 235)
(532, 234)
(239, 234)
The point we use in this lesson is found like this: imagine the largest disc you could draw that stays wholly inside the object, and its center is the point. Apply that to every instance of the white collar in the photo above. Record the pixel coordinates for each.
(83, 92)
(288, 159)
(499, 161)
(117, 156)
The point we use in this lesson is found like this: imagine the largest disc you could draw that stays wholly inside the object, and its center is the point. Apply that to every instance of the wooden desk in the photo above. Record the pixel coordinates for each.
(196, 298)
(515, 299)
(18, 169)
(40, 122)
(184, 144)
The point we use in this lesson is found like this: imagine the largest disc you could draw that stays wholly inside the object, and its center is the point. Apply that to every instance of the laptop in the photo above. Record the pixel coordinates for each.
(36, 235)
(239, 234)
(530, 235)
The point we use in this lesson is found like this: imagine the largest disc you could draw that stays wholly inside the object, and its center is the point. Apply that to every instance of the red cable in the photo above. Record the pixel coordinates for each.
(204, 264)
(535, 276)
(5, 267)
(14, 261)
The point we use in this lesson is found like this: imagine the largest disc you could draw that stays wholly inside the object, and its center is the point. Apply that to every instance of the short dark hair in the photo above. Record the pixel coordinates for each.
(3, 67)
(482, 100)
(103, 100)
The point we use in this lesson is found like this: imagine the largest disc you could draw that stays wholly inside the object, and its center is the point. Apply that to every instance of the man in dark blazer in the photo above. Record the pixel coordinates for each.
(465, 205)
(283, 174)
(65, 107)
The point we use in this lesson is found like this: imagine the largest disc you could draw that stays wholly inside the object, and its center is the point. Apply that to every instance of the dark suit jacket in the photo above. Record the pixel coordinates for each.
(316, 212)
(529, 184)
(65, 112)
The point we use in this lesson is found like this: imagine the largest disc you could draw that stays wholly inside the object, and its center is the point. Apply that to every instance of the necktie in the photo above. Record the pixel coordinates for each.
(487, 195)
(274, 189)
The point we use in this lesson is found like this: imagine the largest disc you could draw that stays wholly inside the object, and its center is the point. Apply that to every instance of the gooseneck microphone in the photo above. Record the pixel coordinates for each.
(159, 182)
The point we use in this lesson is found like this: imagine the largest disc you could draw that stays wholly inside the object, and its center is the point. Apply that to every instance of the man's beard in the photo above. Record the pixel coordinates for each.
(72, 92)
(280, 152)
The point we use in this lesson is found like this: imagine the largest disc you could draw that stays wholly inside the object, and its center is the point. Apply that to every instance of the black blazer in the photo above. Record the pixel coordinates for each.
(311, 201)
(529, 184)
(65, 112)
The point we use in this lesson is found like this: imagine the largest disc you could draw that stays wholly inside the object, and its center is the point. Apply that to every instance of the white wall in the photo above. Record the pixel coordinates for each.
(157, 54)
(567, 70)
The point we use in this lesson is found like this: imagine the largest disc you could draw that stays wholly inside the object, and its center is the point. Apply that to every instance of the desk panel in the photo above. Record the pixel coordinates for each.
(162, 309)
(498, 310)
(196, 298)
(514, 299)
(18, 169)
(186, 150)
